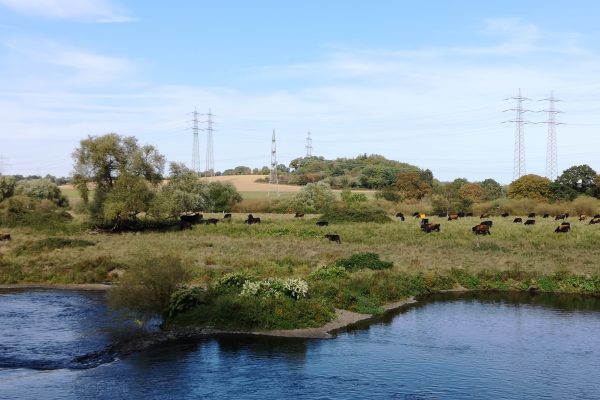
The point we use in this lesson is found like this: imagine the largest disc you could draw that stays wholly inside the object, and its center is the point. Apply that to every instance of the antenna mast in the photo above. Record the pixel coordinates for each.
(519, 158)
(273, 180)
(551, 157)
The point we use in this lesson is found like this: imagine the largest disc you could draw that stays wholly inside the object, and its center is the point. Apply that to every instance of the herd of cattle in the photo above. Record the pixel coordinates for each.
(483, 228)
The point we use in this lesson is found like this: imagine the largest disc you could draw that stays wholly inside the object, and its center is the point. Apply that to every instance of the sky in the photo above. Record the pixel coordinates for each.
(419, 82)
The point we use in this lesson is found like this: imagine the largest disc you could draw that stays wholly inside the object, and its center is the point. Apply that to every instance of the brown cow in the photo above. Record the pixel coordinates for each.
(211, 221)
(333, 238)
(561, 216)
(531, 215)
(546, 215)
(428, 228)
(562, 228)
(4, 236)
(481, 229)
(582, 217)
(452, 217)
(400, 215)
(504, 214)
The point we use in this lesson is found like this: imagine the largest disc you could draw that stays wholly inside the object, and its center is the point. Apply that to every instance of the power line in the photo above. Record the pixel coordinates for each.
(519, 156)
(551, 148)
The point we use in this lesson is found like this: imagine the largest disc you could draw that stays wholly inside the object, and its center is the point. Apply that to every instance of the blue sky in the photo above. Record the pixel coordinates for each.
(419, 82)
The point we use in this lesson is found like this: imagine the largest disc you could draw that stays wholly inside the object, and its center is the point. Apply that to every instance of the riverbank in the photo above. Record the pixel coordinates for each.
(71, 286)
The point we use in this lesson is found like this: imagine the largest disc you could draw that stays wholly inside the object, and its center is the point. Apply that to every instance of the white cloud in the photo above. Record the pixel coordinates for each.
(103, 11)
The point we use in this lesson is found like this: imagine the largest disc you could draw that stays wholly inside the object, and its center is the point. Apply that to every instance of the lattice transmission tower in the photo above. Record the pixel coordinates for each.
(273, 179)
(196, 145)
(519, 121)
(309, 146)
(551, 150)
(210, 161)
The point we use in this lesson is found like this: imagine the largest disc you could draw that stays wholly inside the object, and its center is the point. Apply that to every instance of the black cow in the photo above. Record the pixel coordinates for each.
(400, 215)
(184, 225)
(416, 214)
(546, 215)
(4, 236)
(299, 215)
(322, 223)
(504, 214)
(333, 238)
(597, 216)
(562, 228)
(517, 220)
(252, 220)
(488, 223)
(531, 215)
(227, 216)
(561, 216)
(530, 222)
(461, 215)
(469, 214)
(211, 221)
(594, 221)
(428, 228)
(195, 218)
(481, 229)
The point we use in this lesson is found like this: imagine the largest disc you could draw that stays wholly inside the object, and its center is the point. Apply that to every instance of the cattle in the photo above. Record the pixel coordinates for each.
(333, 238)
(416, 214)
(488, 223)
(194, 218)
(428, 228)
(211, 221)
(470, 214)
(562, 228)
(561, 216)
(582, 217)
(252, 220)
(452, 217)
(461, 215)
(597, 216)
(517, 220)
(485, 215)
(481, 229)
(400, 215)
(299, 215)
(531, 215)
(4, 236)
(184, 225)
(594, 221)
(530, 222)
(227, 216)
(546, 215)
(504, 214)
(322, 223)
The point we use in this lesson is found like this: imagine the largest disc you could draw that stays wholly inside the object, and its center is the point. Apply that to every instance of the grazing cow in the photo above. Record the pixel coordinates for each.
(252, 220)
(195, 218)
(546, 215)
(560, 216)
(400, 215)
(582, 217)
(488, 223)
(596, 216)
(4, 236)
(299, 215)
(594, 221)
(452, 217)
(333, 238)
(461, 215)
(562, 228)
(211, 221)
(481, 229)
(504, 214)
(531, 215)
(184, 225)
(416, 214)
(322, 223)
(227, 216)
(485, 215)
(470, 214)
(428, 228)
(530, 222)
(517, 220)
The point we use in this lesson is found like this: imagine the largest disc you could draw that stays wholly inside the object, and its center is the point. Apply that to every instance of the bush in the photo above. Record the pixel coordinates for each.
(363, 260)
(356, 213)
(329, 272)
(185, 299)
(234, 280)
(42, 189)
(292, 288)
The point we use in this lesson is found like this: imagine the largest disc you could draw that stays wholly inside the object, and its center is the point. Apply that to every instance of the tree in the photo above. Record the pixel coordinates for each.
(492, 189)
(410, 186)
(472, 192)
(184, 192)
(42, 189)
(130, 195)
(7, 187)
(579, 177)
(222, 196)
(531, 187)
(314, 197)
(102, 160)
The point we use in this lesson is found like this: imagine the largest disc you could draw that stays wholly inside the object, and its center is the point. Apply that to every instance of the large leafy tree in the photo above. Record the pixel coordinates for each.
(314, 197)
(531, 187)
(100, 161)
(471, 191)
(579, 178)
(492, 189)
(411, 186)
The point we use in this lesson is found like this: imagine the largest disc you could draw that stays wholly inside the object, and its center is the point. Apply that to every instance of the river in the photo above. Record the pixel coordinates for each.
(451, 346)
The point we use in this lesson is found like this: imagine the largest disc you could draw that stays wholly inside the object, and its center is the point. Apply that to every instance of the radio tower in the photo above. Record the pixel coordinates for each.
(309, 147)
(273, 180)
(210, 163)
(551, 158)
(196, 146)
(519, 160)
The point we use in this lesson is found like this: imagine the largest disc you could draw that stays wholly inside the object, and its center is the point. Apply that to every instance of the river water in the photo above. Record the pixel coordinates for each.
(474, 346)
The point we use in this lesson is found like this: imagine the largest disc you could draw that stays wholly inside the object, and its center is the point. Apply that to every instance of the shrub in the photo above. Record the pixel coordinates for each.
(42, 189)
(234, 280)
(292, 288)
(329, 272)
(184, 299)
(363, 260)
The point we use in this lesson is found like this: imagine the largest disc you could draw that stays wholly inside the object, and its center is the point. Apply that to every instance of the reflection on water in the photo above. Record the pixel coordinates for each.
(467, 346)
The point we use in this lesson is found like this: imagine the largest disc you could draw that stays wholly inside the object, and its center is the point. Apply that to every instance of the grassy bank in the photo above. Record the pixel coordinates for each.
(514, 257)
